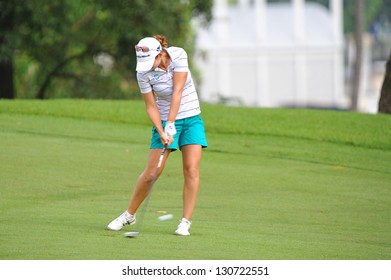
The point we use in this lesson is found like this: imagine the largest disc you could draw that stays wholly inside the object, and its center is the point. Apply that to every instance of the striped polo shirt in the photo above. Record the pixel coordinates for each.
(161, 83)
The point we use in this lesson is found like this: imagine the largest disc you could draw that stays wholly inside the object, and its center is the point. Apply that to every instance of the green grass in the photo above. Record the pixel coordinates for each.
(275, 184)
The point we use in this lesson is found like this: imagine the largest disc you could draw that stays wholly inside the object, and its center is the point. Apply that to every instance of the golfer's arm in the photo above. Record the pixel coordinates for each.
(153, 111)
(179, 80)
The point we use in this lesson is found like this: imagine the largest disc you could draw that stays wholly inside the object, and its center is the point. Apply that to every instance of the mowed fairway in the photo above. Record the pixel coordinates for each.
(275, 184)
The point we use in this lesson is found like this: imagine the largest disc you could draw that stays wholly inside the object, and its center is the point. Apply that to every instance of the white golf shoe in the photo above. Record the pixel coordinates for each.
(121, 221)
(183, 228)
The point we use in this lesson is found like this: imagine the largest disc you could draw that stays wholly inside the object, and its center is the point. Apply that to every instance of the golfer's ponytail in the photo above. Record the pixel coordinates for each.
(162, 40)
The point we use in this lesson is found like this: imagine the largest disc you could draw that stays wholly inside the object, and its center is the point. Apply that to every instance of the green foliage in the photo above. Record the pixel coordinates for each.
(372, 10)
(62, 38)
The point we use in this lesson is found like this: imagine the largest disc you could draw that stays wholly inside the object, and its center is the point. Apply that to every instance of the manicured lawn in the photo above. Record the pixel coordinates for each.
(275, 184)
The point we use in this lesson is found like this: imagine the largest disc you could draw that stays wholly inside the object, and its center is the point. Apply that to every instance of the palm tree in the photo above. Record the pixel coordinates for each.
(358, 38)
(385, 95)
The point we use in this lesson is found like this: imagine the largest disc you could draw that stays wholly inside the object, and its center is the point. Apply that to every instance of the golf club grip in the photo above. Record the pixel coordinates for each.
(161, 156)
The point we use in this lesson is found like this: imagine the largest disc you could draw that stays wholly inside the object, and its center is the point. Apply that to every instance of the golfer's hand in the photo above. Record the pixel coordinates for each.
(166, 140)
(170, 129)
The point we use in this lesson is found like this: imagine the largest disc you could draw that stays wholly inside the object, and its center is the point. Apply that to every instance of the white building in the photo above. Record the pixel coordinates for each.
(260, 54)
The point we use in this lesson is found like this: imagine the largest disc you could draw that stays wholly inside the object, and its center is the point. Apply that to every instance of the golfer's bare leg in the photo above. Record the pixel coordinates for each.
(191, 156)
(144, 180)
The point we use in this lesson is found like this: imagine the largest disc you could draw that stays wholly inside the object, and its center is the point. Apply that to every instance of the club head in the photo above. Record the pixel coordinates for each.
(131, 234)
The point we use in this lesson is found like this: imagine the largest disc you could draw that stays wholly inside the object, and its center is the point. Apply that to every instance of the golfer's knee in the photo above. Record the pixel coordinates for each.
(191, 173)
(147, 177)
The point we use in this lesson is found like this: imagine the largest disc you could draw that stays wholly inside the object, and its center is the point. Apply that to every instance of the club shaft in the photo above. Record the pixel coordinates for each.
(140, 218)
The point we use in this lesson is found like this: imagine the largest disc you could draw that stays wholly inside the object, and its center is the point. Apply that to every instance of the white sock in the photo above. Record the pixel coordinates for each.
(127, 214)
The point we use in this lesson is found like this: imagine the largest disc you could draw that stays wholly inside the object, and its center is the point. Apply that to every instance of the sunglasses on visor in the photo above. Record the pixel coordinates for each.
(145, 49)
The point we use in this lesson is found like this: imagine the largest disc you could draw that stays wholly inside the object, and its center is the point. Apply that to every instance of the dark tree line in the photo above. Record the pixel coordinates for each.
(58, 39)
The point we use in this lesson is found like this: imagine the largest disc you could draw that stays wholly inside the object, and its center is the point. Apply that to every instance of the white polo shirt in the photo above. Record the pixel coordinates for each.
(161, 83)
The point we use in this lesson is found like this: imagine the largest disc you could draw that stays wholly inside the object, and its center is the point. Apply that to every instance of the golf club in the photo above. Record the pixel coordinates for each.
(140, 218)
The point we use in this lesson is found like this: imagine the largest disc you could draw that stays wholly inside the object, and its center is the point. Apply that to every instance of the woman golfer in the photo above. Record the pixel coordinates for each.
(173, 107)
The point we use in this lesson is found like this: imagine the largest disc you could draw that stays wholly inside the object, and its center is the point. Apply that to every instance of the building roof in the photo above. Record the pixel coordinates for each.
(237, 27)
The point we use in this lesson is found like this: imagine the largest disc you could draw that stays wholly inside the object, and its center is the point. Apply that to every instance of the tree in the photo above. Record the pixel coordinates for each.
(358, 38)
(385, 94)
(6, 59)
(61, 37)
(38, 30)
(373, 8)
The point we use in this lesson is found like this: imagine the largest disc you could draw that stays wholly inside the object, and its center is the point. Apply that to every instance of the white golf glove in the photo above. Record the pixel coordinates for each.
(170, 129)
